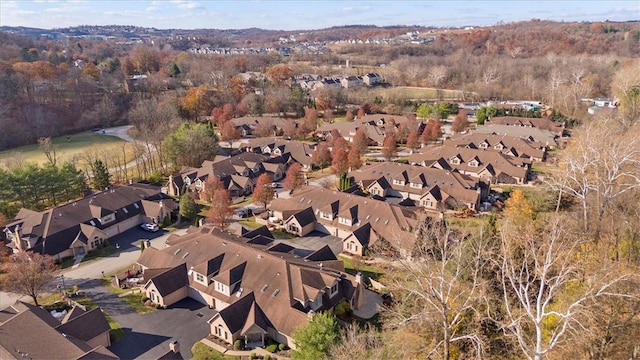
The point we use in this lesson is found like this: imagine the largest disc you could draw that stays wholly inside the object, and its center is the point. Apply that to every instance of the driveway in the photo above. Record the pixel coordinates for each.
(148, 336)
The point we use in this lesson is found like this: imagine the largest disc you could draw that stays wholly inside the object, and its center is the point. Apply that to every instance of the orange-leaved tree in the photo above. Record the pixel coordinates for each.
(263, 192)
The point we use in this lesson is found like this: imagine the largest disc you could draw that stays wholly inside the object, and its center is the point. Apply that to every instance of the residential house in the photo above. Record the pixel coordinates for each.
(341, 214)
(238, 173)
(81, 226)
(300, 152)
(550, 139)
(29, 332)
(350, 82)
(509, 145)
(432, 188)
(246, 125)
(538, 123)
(491, 167)
(372, 79)
(261, 288)
(375, 126)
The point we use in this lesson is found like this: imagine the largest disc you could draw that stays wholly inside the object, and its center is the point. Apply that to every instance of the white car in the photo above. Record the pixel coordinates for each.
(150, 227)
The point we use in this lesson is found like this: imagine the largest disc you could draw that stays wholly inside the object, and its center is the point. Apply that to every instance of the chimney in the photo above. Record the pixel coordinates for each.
(174, 346)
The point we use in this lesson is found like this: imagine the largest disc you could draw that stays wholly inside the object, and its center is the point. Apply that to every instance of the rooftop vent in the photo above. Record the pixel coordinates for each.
(177, 252)
(185, 255)
(264, 287)
(275, 292)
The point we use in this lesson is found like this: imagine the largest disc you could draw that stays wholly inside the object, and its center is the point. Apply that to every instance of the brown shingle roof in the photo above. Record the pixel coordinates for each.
(86, 326)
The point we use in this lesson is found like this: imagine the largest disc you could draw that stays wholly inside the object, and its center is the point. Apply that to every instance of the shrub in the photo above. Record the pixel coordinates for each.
(282, 347)
(237, 344)
(267, 357)
(252, 356)
(144, 299)
(148, 303)
(343, 310)
(158, 306)
(272, 348)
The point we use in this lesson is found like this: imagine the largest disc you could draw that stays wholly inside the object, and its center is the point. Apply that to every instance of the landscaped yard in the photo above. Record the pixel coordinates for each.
(355, 265)
(201, 351)
(133, 299)
(98, 253)
(73, 147)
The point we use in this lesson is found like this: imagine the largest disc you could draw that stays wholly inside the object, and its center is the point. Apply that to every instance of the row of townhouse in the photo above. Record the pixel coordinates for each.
(314, 82)
(262, 289)
(81, 226)
(238, 173)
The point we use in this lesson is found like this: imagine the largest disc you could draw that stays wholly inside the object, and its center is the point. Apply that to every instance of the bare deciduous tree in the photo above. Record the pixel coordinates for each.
(548, 285)
(440, 289)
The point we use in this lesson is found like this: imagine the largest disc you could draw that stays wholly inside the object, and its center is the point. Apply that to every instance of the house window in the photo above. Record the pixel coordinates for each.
(398, 182)
(473, 163)
(294, 229)
(499, 146)
(483, 145)
(344, 220)
(416, 185)
(200, 278)
(352, 246)
(375, 191)
(220, 287)
(455, 161)
(428, 203)
(326, 215)
(334, 289)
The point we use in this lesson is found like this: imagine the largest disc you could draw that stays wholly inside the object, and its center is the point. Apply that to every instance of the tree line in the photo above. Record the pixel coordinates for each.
(38, 187)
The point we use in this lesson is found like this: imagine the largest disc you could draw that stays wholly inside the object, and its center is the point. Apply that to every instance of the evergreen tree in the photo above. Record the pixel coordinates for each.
(188, 207)
(101, 178)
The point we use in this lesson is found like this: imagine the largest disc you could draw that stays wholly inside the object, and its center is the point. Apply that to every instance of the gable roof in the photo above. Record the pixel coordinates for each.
(393, 223)
(57, 228)
(266, 275)
(170, 280)
(85, 326)
(30, 322)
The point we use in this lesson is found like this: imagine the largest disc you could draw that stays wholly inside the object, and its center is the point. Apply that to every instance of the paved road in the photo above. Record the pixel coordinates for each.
(148, 336)
(129, 251)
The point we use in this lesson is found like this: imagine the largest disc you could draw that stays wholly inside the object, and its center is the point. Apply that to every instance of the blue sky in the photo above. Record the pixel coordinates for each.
(303, 15)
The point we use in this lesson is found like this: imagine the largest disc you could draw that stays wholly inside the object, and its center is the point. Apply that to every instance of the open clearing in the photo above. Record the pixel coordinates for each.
(69, 147)
(422, 93)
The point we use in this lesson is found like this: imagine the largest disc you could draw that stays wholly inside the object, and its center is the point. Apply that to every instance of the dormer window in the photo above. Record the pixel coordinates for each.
(398, 182)
(344, 220)
(326, 215)
(483, 145)
(200, 278)
(499, 146)
(334, 289)
(455, 161)
(416, 185)
(474, 163)
(108, 218)
(427, 203)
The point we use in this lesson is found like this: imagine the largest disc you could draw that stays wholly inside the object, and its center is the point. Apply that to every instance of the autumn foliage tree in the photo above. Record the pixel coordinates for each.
(460, 122)
(229, 132)
(321, 156)
(413, 140)
(340, 162)
(211, 185)
(432, 131)
(361, 140)
(220, 211)
(294, 179)
(354, 158)
(29, 274)
(389, 148)
(263, 192)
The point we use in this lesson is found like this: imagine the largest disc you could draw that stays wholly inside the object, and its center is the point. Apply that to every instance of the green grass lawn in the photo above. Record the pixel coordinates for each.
(420, 93)
(201, 351)
(74, 147)
(352, 267)
(250, 222)
(134, 300)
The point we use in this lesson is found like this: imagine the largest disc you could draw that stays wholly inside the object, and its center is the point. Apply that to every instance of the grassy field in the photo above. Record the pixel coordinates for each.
(69, 147)
(406, 92)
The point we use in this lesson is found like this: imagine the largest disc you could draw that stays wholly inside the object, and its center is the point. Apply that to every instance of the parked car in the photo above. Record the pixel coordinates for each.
(243, 212)
(275, 185)
(150, 227)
